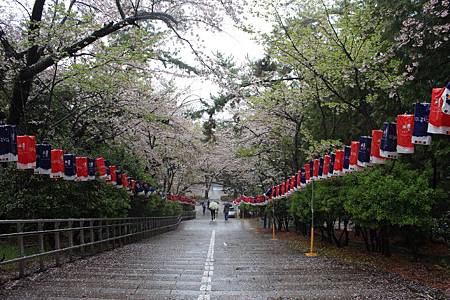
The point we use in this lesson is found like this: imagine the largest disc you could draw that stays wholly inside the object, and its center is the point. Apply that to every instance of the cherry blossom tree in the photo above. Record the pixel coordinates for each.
(41, 34)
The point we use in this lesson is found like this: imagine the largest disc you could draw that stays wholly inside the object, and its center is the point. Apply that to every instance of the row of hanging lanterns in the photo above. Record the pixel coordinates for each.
(56, 164)
(393, 140)
(181, 199)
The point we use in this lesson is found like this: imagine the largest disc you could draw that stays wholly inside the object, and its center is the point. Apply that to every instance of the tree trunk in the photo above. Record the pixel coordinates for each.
(21, 92)
(346, 232)
(286, 224)
(373, 240)
(365, 238)
(384, 236)
(22, 83)
(322, 233)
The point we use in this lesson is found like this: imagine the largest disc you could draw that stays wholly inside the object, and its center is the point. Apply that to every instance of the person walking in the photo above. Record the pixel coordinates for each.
(204, 205)
(213, 214)
(213, 206)
(226, 210)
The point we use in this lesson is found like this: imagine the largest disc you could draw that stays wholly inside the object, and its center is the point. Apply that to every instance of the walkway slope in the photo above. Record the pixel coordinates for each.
(210, 260)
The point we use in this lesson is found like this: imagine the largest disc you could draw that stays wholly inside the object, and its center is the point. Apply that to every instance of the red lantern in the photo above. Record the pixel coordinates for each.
(326, 166)
(100, 167)
(375, 157)
(405, 124)
(57, 163)
(81, 163)
(124, 180)
(293, 183)
(438, 121)
(132, 185)
(354, 155)
(26, 152)
(316, 169)
(307, 172)
(338, 162)
(112, 170)
(299, 179)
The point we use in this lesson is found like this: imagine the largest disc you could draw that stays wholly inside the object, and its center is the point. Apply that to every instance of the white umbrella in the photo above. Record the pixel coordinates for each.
(213, 205)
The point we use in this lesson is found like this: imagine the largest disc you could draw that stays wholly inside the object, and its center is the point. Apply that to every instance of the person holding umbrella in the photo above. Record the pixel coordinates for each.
(213, 206)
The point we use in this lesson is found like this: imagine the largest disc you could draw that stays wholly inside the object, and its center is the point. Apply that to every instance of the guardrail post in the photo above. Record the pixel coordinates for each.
(91, 225)
(114, 233)
(57, 245)
(21, 249)
(82, 236)
(100, 235)
(121, 237)
(126, 230)
(41, 245)
(70, 224)
(107, 234)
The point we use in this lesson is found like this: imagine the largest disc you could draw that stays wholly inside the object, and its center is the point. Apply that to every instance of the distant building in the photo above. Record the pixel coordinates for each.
(198, 190)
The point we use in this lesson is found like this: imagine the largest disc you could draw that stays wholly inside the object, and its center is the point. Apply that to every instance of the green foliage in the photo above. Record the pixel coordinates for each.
(245, 207)
(390, 195)
(26, 196)
(156, 207)
(394, 194)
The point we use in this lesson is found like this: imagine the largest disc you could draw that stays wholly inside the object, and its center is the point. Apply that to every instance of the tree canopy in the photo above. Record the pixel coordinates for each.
(100, 79)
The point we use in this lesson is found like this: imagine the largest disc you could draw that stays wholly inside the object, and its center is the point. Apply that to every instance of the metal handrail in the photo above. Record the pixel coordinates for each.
(73, 220)
(90, 232)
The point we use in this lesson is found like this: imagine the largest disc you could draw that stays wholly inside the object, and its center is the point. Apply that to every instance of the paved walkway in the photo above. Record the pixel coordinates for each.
(209, 260)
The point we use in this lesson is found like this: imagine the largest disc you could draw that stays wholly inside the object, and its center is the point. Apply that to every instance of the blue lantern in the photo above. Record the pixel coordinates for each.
(331, 167)
(420, 129)
(388, 148)
(92, 167)
(43, 159)
(365, 143)
(8, 143)
(347, 152)
(70, 171)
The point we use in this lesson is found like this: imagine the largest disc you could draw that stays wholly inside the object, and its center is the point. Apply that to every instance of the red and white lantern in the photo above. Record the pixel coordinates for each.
(326, 166)
(124, 180)
(438, 121)
(132, 185)
(354, 155)
(405, 125)
(112, 171)
(57, 163)
(375, 157)
(308, 173)
(316, 169)
(81, 163)
(101, 168)
(338, 162)
(26, 152)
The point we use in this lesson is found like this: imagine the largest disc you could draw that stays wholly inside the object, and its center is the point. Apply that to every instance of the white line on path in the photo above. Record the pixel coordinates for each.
(205, 287)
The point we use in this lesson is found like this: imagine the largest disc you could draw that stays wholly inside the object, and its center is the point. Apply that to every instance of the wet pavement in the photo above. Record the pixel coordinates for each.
(210, 260)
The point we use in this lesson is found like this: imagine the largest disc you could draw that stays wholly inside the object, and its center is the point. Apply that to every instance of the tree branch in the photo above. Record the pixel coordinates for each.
(107, 29)
(119, 7)
(10, 52)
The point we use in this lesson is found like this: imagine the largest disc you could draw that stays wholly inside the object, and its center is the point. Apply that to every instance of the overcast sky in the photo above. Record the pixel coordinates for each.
(231, 41)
